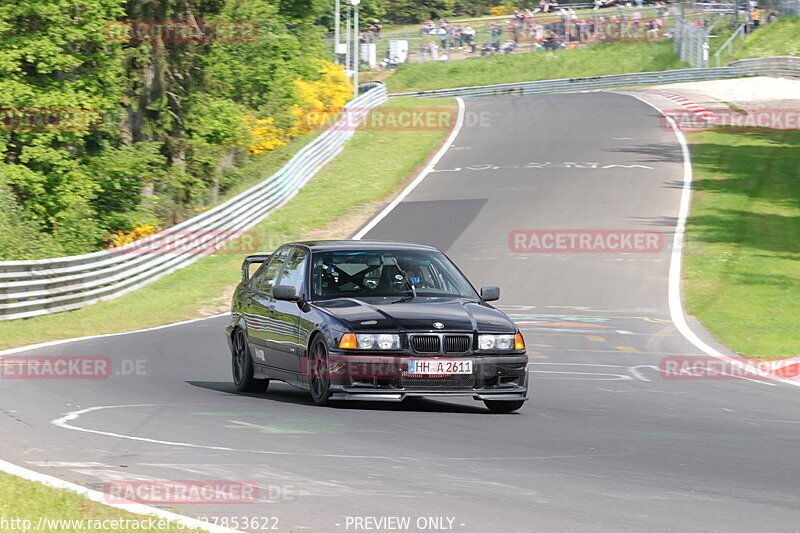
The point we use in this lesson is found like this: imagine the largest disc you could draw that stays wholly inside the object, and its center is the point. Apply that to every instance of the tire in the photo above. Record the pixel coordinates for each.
(242, 366)
(319, 372)
(503, 406)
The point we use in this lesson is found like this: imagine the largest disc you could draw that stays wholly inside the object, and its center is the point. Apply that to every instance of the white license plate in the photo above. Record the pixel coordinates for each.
(434, 367)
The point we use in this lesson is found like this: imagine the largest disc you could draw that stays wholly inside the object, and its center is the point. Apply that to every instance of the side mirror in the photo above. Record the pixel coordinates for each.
(489, 294)
(285, 292)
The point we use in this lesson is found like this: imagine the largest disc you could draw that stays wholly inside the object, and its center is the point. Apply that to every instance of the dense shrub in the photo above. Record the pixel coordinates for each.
(168, 119)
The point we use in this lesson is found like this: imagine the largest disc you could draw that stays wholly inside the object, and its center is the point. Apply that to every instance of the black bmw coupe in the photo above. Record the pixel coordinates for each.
(357, 320)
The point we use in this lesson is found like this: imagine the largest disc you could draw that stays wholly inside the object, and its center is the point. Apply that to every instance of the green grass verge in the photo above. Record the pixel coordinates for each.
(742, 261)
(22, 500)
(600, 59)
(373, 165)
(267, 164)
(780, 38)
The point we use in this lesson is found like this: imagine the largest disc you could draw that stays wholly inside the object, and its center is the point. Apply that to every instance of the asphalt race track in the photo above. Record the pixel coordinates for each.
(606, 444)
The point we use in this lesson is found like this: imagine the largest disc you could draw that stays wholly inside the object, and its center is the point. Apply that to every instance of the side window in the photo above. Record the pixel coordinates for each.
(294, 274)
(265, 279)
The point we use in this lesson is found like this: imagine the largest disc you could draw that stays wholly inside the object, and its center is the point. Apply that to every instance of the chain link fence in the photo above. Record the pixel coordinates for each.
(554, 30)
(697, 25)
(690, 41)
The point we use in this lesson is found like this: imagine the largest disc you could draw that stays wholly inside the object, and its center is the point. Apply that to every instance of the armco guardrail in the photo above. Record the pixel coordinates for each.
(769, 66)
(783, 66)
(45, 286)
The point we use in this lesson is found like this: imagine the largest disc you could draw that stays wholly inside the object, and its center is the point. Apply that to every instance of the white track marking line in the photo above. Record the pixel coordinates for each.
(616, 377)
(62, 422)
(579, 364)
(676, 261)
(422, 175)
(635, 371)
(97, 496)
(90, 337)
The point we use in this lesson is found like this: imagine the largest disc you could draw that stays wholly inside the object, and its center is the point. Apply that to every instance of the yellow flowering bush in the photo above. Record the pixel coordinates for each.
(264, 135)
(121, 238)
(502, 9)
(321, 101)
(318, 104)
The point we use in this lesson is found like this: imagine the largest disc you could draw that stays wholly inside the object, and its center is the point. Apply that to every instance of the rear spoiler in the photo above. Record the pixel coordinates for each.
(252, 259)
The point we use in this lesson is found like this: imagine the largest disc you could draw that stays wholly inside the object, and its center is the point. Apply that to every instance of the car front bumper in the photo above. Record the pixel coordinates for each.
(385, 378)
(386, 395)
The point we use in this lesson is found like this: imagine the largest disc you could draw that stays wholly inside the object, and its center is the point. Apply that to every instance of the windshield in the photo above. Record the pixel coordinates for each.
(396, 274)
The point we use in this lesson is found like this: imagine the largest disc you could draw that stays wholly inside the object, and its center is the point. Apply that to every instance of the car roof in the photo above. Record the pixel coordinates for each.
(321, 246)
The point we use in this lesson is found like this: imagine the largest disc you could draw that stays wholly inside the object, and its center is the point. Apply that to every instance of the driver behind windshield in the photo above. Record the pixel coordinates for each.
(385, 274)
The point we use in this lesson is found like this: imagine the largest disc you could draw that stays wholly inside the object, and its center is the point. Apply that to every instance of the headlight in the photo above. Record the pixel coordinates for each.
(379, 341)
(495, 342)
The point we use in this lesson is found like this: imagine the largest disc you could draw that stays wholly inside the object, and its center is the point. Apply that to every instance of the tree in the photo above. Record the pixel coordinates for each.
(116, 116)
(474, 7)
(56, 65)
(414, 11)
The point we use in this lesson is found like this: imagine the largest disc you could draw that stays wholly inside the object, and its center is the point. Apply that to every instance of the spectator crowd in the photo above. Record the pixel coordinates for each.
(531, 26)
